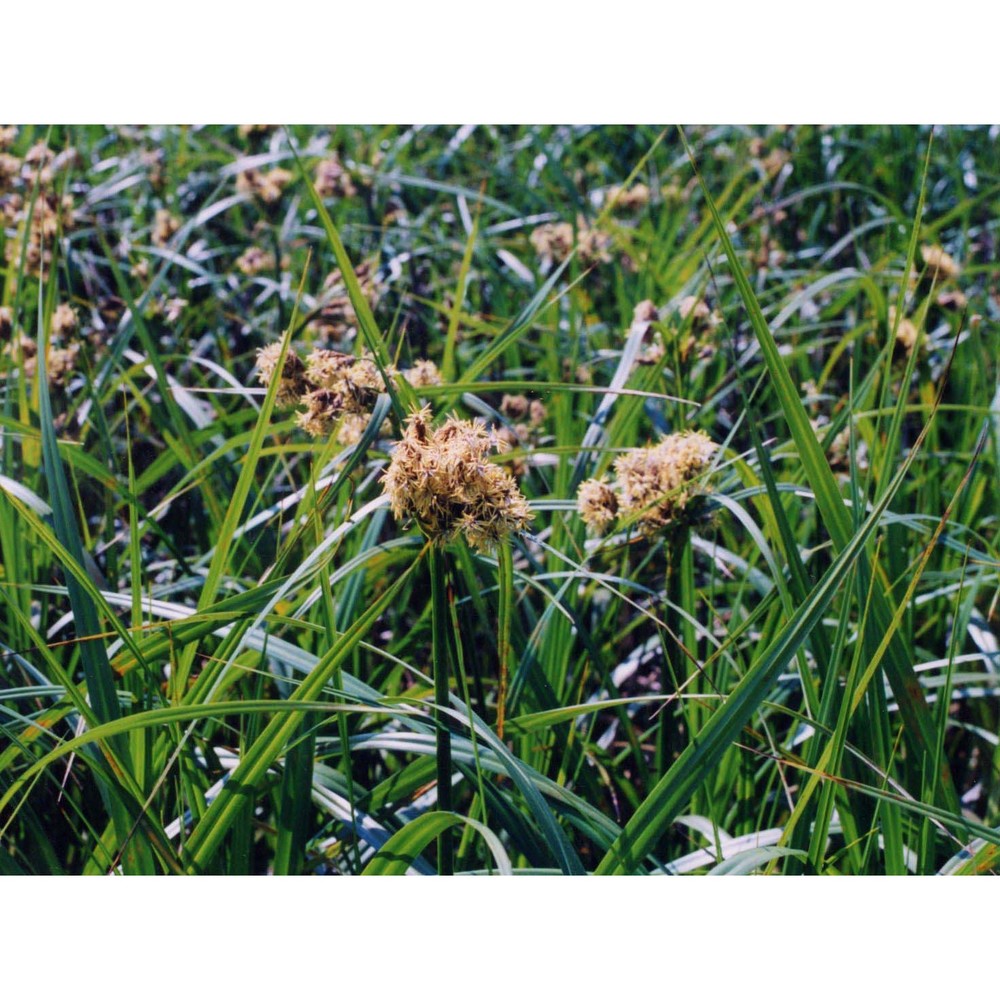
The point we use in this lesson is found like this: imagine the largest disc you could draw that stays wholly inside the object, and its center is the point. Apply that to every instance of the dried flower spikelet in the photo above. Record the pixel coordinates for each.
(367, 274)
(645, 312)
(247, 131)
(774, 162)
(423, 373)
(332, 180)
(293, 384)
(165, 225)
(537, 413)
(352, 426)
(906, 331)
(940, 265)
(63, 320)
(254, 261)
(364, 377)
(61, 363)
(553, 241)
(336, 321)
(657, 483)
(627, 199)
(10, 169)
(324, 408)
(510, 439)
(266, 187)
(8, 133)
(514, 407)
(592, 245)
(152, 160)
(702, 318)
(597, 504)
(643, 316)
(952, 299)
(357, 380)
(6, 321)
(326, 368)
(37, 162)
(50, 215)
(444, 480)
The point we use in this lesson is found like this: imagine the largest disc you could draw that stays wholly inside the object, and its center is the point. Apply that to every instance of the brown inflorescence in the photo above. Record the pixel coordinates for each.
(553, 242)
(268, 187)
(356, 380)
(332, 180)
(906, 331)
(334, 386)
(627, 199)
(597, 504)
(64, 320)
(165, 224)
(654, 486)
(423, 373)
(255, 261)
(336, 321)
(443, 479)
(293, 384)
(940, 265)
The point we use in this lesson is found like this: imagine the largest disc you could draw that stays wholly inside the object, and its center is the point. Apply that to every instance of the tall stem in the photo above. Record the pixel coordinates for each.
(439, 638)
(674, 547)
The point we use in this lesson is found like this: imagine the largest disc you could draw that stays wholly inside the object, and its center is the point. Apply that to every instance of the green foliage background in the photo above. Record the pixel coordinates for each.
(218, 649)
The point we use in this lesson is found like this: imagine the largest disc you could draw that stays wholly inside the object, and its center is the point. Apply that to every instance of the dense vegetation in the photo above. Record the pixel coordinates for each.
(687, 560)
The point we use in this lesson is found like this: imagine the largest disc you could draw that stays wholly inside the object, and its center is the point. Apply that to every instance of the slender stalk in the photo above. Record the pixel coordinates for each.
(673, 656)
(505, 571)
(439, 638)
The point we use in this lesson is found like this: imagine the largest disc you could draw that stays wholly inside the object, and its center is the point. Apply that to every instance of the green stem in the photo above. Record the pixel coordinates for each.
(439, 638)
(673, 657)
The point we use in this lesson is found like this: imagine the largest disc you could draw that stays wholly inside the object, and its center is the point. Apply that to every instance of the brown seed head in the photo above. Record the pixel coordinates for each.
(656, 484)
(63, 320)
(597, 504)
(444, 480)
(940, 265)
(293, 384)
(164, 226)
(254, 260)
(423, 373)
(332, 180)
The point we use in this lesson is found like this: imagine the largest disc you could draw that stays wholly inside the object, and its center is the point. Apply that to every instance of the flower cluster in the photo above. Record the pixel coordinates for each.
(654, 486)
(268, 187)
(940, 265)
(554, 241)
(335, 321)
(42, 219)
(443, 479)
(627, 199)
(164, 226)
(255, 261)
(333, 386)
(526, 419)
(332, 180)
(906, 331)
(61, 357)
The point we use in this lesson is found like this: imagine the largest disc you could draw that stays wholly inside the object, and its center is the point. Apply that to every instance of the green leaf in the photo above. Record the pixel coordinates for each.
(398, 853)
